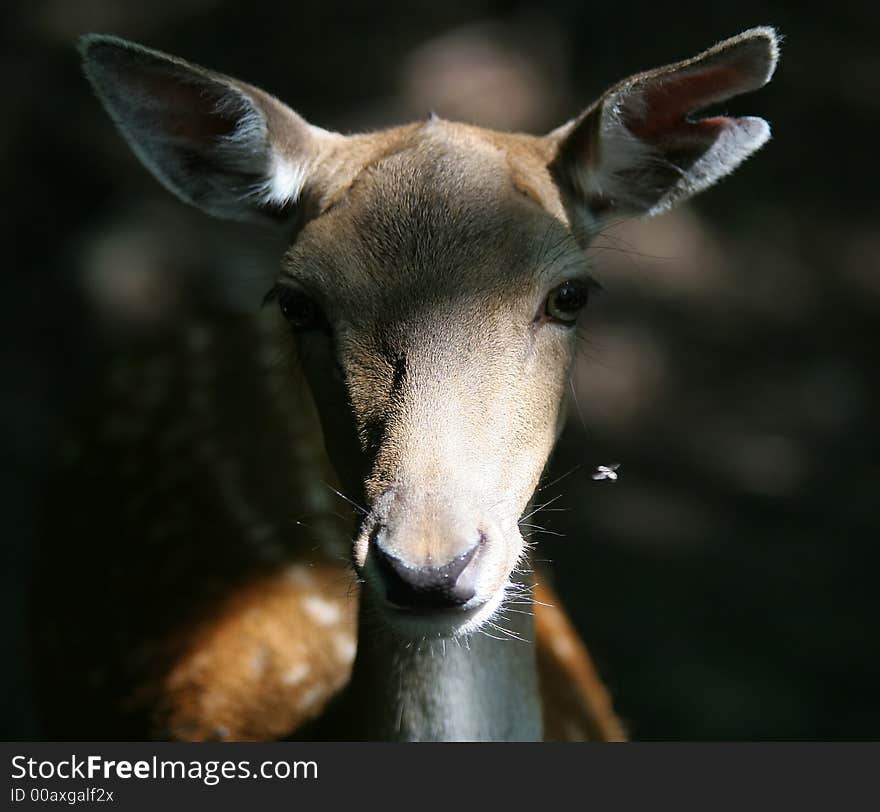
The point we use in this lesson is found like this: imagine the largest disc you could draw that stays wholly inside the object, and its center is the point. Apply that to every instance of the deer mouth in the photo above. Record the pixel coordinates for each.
(448, 600)
(430, 601)
(433, 564)
(419, 623)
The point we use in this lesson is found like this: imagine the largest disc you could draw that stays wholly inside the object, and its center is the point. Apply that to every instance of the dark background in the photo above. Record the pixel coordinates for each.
(726, 584)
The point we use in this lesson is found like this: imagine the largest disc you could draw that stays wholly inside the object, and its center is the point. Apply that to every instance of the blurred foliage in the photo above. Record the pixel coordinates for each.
(727, 583)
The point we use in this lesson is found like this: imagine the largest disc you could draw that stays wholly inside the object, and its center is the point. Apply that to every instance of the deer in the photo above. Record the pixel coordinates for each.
(308, 522)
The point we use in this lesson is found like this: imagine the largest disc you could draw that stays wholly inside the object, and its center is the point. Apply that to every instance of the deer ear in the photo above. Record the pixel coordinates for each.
(641, 148)
(217, 143)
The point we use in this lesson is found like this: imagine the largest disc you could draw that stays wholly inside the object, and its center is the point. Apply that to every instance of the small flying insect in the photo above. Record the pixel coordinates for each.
(606, 472)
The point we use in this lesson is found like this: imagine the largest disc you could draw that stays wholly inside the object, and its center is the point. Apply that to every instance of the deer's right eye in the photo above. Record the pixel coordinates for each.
(300, 310)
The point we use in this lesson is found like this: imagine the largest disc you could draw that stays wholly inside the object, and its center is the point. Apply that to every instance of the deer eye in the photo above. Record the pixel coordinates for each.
(300, 310)
(565, 302)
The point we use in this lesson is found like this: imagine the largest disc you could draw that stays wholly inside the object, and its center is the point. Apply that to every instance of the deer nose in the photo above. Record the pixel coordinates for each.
(428, 587)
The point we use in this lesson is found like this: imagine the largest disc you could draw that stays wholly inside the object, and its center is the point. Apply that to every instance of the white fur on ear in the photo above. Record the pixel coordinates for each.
(642, 148)
(216, 143)
(285, 182)
(742, 137)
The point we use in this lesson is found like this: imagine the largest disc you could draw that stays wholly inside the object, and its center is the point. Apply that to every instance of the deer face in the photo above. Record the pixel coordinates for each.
(435, 308)
(435, 284)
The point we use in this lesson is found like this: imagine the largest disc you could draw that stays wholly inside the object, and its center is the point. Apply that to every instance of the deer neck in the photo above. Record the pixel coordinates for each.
(479, 688)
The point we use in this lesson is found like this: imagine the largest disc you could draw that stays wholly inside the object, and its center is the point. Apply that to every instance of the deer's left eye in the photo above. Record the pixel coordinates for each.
(565, 303)
(300, 310)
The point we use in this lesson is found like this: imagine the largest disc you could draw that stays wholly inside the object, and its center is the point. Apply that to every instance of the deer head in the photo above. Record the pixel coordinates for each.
(435, 283)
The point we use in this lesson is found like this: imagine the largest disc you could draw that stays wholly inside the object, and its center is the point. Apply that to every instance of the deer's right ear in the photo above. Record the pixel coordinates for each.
(217, 143)
(643, 147)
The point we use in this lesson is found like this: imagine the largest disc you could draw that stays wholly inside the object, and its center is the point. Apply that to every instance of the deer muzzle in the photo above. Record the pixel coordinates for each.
(432, 558)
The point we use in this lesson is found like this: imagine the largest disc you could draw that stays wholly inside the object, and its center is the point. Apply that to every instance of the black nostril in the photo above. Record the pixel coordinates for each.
(427, 587)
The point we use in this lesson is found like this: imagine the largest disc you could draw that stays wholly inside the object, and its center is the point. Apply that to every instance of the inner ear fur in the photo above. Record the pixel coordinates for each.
(642, 147)
(222, 145)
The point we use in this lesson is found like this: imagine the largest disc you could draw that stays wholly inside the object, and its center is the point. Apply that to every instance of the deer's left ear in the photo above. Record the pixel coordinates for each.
(641, 149)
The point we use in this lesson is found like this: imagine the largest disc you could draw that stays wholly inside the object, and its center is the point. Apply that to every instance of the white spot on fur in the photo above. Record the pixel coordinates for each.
(323, 612)
(345, 647)
(311, 697)
(563, 647)
(260, 661)
(296, 674)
